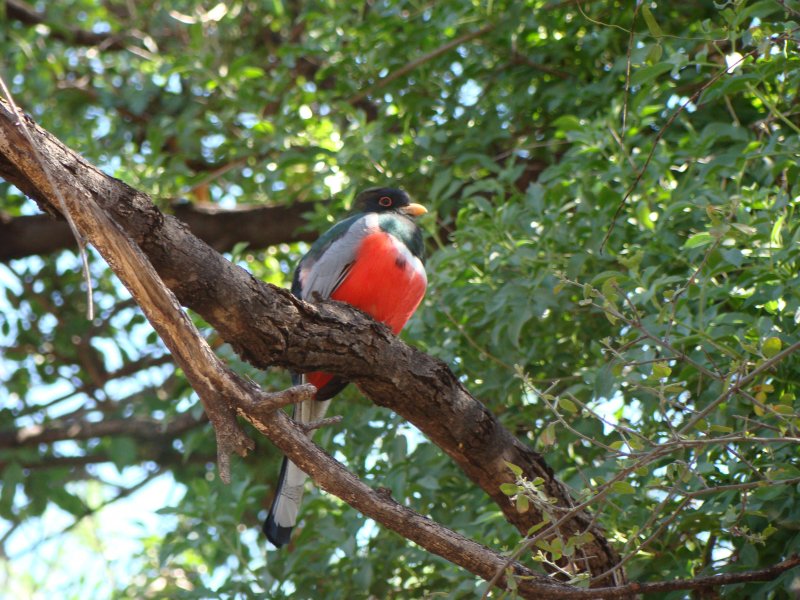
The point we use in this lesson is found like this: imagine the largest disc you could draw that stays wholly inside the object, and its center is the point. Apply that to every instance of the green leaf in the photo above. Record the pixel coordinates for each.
(775, 237)
(548, 436)
(722, 428)
(623, 487)
(769, 530)
(654, 54)
(605, 381)
(68, 502)
(252, 73)
(568, 405)
(746, 229)
(238, 249)
(537, 527)
(265, 127)
(123, 452)
(698, 239)
(651, 22)
(635, 443)
(517, 471)
(12, 477)
(661, 370)
(568, 123)
(771, 346)
(509, 489)
(645, 75)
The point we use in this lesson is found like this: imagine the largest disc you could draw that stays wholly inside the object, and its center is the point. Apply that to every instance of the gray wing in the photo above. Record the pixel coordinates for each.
(324, 273)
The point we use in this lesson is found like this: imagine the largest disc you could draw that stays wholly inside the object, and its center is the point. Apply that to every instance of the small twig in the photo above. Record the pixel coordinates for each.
(560, 418)
(57, 192)
(731, 487)
(619, 428)
(627, 91)
(522, 59)
(657, 340)
(601, 493)
(741, 383)
(767, 574)
(326, 422)
(788, 8)
(272, 401)
(410, 66)
(730, 439)
(601, 23)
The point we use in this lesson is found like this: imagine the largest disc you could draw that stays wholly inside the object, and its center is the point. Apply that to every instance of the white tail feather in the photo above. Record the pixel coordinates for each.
(287, 504)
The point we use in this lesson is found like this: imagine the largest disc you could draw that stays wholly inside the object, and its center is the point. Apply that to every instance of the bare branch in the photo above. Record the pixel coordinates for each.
(145, 429)
(57, 195)
(767, 574)
(259, 226)
(327, 422)
(25, 13)
(270, 402)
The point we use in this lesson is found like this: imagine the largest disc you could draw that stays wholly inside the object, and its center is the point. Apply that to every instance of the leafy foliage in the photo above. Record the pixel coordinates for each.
(613, 269)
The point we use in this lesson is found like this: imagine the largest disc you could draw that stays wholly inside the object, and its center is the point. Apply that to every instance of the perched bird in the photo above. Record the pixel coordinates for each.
(372, 260)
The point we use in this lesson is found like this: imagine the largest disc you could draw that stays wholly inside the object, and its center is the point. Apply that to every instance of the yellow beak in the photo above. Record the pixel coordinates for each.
(414, 210)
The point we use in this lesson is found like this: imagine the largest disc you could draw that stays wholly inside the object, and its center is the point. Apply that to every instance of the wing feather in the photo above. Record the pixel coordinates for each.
(322, 272)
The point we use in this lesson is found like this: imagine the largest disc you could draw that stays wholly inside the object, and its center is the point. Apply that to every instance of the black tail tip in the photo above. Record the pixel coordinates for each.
(279, 536)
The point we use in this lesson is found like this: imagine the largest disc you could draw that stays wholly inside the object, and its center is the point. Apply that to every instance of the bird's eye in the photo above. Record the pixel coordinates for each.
(385, 201)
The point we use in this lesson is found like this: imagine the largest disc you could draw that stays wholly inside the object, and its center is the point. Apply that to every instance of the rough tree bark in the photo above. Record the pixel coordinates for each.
(259, 226)
(267, 326)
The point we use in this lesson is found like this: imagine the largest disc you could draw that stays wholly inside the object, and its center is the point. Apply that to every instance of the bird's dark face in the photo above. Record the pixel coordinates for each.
(388, 200)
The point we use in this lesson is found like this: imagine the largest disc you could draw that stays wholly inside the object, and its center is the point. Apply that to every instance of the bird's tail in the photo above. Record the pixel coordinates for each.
(286, 504)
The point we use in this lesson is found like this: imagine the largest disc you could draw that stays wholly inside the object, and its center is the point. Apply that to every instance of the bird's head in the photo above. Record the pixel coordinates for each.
(386, 199)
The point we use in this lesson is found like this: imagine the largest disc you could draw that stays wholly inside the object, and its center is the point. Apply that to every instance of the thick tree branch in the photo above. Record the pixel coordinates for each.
(705, 583)
(25, 13)
(142, 429)
(268, 326)
(160, 452)
(260, 227)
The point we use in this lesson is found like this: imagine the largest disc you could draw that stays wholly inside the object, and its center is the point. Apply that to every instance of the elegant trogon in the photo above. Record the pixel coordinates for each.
(374, 261)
